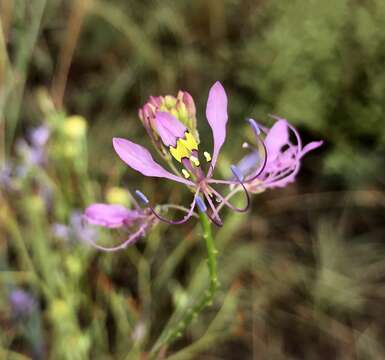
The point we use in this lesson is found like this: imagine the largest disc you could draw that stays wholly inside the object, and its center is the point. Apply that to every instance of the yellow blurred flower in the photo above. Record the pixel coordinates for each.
(74, 265)
(118, 195)
(59, 309)
(75, 127)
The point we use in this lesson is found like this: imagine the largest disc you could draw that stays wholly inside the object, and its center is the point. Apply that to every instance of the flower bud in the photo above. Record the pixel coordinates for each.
(186, 108)
(170, 101)
(181, 107)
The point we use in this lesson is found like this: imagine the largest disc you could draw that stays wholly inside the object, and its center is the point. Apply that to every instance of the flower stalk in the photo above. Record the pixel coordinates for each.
(207, 299)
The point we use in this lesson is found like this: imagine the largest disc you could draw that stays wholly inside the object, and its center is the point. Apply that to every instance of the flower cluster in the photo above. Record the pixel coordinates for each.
(182, 107)
(171, 124)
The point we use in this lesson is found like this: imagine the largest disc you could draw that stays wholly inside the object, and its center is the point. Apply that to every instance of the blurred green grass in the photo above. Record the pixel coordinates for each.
(302, 275)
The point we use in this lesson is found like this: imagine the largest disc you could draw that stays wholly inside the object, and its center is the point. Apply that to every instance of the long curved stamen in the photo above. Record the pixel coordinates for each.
(257, 132)
(214, 217)
(289, 171)
(178, 207)
(218, 223)
(298, 138)
(227, 198)
(144, 199)
(259, 171)
(226, 202)
(131, 240)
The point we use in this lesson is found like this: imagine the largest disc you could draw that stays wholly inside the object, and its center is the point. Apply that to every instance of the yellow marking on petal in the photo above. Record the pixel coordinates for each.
(185, 173)
(207, 156)
(194, 160)
(179, 152)
(184, 147)
(189, 141)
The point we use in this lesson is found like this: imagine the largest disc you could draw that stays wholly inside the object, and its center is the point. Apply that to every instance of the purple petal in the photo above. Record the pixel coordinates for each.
(139, 158)
(276, 138)
(61, 231)
(249, 163)
(169, 128)
(311, 146)
(216, 113)
(283, 157)
(22, 303)
(111, 216)
(39, 136)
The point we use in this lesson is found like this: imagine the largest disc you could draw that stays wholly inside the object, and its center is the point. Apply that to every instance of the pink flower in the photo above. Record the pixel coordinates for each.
(135, 222)
(182, 145)
(283, 158)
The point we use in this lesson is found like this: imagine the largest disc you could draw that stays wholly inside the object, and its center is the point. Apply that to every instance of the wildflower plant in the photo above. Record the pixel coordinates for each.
(325, 285)
(172, 127)
(183, 146)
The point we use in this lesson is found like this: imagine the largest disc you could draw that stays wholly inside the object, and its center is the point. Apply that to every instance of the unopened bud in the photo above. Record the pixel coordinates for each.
(181, 107)
(170, 101)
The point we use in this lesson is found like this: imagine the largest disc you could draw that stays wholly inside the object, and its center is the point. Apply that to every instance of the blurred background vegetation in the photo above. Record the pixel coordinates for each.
(302, 275)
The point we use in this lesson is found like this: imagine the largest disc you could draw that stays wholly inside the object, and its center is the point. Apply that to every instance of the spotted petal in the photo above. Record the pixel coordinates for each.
(216, 113)
(139, 158)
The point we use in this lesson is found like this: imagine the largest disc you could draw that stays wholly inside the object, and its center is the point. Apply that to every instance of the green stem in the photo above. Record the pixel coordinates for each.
(25, 44)
(211, 253)
(207, 298)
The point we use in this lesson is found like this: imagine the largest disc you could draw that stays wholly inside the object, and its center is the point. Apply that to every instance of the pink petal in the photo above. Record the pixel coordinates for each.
(111, 216)
(169, 128)
(216, 114)
(139, 158)
(276, 138)
(311, 146)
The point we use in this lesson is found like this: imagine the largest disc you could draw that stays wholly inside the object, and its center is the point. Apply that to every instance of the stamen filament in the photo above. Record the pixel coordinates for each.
(177, 222)
(226, 202)
(214, 217)
(247, 180)
(131, 240)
